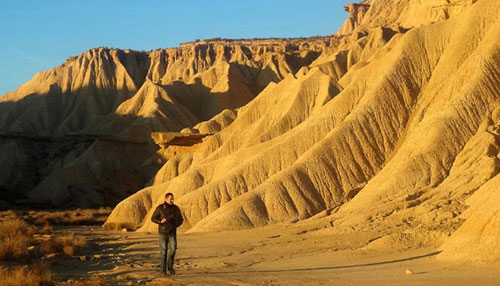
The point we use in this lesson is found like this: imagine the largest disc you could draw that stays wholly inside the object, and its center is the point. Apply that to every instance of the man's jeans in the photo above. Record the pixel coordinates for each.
(167, 243)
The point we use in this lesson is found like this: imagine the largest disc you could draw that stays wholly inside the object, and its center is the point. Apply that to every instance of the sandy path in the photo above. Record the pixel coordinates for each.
(270, 256)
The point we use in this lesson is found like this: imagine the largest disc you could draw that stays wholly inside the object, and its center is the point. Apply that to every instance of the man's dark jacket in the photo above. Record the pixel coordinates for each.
(173, 215)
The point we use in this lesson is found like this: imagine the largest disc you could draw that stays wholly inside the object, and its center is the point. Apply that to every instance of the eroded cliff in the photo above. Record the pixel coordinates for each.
(388, 126)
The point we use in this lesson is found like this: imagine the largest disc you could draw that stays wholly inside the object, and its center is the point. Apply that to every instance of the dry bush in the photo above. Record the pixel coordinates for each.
(67, 244)
(15, 238)
(69, 250)
(37, 274)
(120, 226)
(46, 229)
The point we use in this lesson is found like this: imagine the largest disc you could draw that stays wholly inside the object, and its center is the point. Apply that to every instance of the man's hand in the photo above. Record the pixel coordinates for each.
(163, 220)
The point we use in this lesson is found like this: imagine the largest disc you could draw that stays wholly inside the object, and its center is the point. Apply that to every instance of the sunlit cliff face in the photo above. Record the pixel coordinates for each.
(390, 125)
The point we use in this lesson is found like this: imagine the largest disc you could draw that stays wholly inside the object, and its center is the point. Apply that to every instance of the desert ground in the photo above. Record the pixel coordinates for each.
(277, 255)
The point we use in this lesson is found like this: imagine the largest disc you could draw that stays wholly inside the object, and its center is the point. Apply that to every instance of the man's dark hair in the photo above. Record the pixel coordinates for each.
(169, 195)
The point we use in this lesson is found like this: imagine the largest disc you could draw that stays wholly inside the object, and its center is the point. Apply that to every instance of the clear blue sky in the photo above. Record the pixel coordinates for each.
(37, 35)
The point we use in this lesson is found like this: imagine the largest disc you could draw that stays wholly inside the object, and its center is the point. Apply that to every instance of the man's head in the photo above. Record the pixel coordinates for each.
(169, 198)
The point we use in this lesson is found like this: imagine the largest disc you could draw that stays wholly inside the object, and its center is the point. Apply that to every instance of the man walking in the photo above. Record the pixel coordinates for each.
(168, 217)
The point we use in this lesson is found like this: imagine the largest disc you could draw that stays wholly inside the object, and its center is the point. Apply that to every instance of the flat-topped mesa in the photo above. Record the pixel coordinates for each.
(277, 56)
(317, 41)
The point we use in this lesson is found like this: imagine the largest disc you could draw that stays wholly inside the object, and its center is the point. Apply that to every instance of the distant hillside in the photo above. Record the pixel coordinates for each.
(124, 95)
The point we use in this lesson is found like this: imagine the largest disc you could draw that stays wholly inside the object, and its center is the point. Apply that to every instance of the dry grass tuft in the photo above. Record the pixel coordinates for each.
(15, 238)
(46, 229)
(69, 250)
(119, 226)
(34, 275)
(68, 244)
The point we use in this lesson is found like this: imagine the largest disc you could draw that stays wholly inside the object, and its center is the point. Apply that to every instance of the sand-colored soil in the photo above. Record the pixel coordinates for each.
(277, 255)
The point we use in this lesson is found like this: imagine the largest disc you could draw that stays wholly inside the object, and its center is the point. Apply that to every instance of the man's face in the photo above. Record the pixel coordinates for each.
(169, 200)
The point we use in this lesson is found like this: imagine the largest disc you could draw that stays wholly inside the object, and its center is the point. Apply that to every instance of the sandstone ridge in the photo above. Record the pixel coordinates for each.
(379, 133)
(389, 126)
(127, 95)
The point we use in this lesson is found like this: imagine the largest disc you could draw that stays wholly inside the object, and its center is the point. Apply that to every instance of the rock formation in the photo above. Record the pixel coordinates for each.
(383, 128)
(388, 126)
(112, 100)
(357, 12)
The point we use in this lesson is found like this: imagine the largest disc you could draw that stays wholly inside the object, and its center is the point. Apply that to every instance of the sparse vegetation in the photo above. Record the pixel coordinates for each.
(39, 274)
(15, 239)
(59, 217)
(46, 229)
(120, 226)
(23, 243)
(33, 275)
(67, 244)
(20, 241)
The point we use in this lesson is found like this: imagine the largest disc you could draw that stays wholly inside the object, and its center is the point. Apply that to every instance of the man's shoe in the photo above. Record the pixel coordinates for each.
(171, 271)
